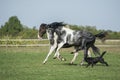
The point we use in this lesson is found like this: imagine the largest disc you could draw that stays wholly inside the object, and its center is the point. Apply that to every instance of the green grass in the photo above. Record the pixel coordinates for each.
(25, 63)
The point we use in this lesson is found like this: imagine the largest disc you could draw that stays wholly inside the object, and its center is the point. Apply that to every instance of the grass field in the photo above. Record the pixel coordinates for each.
(25, 63)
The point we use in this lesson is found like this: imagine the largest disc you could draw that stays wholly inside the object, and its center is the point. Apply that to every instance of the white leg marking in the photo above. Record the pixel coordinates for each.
(57, 51)
(74, 58)
(50, 52)
(82, 62)
(89, 53)
(55, 55)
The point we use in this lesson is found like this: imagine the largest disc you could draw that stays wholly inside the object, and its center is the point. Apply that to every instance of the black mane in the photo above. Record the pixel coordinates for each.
(43, 25)
(56, 25)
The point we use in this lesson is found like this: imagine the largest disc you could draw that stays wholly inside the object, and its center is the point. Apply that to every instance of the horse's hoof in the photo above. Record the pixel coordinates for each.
(72, 53)
(81, 64)
(44, 62)
(54, 57)
(63, 59)
(71, 63)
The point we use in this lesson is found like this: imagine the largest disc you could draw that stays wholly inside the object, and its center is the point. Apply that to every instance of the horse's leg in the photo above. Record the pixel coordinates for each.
(57, 54)
(59, 57)
(53, 47)
(85, 55)
(74, 58)
(89, 53)
(75, 52)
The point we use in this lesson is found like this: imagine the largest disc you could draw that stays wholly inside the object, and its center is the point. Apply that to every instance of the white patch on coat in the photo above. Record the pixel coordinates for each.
(68, 32)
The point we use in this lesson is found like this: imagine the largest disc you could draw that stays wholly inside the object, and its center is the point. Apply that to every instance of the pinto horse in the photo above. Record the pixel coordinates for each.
(61, 36)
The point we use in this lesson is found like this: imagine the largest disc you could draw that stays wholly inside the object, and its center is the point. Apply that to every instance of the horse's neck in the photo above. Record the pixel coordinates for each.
(67, 30)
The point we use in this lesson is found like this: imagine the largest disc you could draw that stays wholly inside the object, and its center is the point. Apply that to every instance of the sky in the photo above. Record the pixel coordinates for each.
(104, 14)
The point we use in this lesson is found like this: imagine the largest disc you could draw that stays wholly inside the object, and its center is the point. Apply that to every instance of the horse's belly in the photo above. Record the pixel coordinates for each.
(67, 45)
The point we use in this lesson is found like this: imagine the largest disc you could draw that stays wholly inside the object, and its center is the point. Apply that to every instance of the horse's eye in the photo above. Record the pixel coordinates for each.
(43, 27)
(39, 29)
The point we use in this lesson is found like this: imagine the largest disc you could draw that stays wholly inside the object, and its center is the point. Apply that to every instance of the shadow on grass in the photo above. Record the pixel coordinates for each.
(68, 64)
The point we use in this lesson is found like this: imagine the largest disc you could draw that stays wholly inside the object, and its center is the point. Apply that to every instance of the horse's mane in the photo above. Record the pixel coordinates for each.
(56, 25)
(43, 25)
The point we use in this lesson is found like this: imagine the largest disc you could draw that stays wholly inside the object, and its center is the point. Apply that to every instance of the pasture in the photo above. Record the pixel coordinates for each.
(25, 63)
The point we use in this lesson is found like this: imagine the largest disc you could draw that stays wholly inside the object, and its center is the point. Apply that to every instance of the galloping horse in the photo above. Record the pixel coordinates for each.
(61, 36)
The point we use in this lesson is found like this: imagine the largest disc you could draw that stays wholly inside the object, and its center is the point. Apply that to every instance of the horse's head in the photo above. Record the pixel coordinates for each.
(50, 28)
(42, 30)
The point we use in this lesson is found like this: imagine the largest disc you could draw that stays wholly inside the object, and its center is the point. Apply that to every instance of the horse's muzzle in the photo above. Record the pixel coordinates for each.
(39, 37)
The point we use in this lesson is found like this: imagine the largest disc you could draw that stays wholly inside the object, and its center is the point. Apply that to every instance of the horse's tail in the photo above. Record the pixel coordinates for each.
(102, 36)
(96, 50)
(102, 54)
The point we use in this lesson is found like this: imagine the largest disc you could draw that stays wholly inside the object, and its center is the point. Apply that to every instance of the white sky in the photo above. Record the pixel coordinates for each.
(104, 14)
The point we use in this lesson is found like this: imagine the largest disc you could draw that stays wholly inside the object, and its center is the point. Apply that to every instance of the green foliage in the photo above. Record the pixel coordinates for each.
(28, 33)
(12, 27)
(114, 35)
(92, 29)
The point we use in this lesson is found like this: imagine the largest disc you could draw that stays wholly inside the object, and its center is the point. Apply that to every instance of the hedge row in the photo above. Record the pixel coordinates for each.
(22, 41)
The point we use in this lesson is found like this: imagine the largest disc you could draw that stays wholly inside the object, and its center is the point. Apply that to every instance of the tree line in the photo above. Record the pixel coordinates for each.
(14, 29)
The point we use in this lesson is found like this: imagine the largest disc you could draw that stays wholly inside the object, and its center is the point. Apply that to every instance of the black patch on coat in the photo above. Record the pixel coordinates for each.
(52, 41)
(61, 35)
(67, 45)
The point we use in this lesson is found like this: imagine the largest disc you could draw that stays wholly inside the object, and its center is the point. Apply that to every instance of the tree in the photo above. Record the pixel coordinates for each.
(12, 28)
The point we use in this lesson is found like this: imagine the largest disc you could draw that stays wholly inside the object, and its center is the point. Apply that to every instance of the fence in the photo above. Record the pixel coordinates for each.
(23, 42)
(45, 42)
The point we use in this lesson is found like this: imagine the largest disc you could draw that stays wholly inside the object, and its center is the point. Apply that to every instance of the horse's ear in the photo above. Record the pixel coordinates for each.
(43, 25)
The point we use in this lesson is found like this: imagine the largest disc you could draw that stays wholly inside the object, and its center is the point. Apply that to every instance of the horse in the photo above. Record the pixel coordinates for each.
(62, 37)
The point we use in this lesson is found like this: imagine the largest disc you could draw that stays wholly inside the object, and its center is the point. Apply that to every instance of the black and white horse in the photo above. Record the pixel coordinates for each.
(61, 36)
